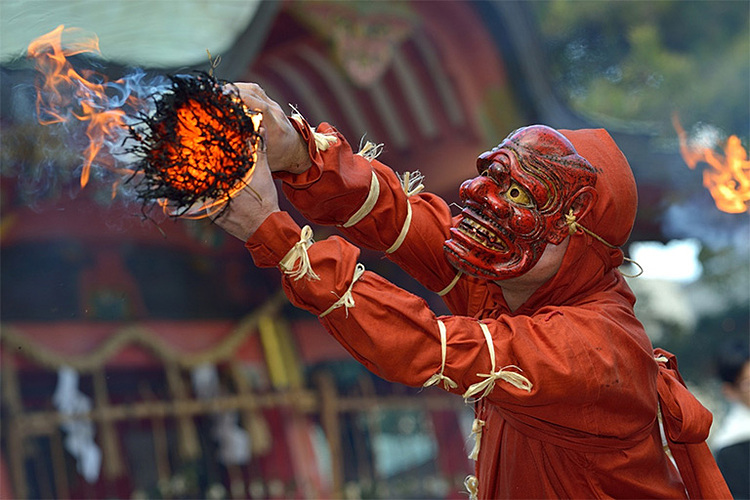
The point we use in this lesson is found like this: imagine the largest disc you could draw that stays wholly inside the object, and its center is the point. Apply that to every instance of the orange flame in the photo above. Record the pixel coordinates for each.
(198, 157)
(65, 94)
(63, 88)
(728, 175)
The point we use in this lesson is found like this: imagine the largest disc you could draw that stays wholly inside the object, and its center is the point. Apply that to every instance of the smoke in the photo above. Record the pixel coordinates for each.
(698, 217)
(80, 109)
(47, 160)
(100, 115)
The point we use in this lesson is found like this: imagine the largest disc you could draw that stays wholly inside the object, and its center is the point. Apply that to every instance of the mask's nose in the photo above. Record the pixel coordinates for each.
(464, 186)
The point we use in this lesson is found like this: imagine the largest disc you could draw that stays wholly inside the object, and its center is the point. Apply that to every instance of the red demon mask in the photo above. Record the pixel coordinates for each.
(518, 203)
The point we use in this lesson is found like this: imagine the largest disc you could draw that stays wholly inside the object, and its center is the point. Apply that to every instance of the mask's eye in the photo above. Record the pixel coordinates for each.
(517, 194)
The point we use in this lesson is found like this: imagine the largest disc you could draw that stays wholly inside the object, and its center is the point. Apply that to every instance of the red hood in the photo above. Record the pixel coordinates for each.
(614, 212)
(587, 261)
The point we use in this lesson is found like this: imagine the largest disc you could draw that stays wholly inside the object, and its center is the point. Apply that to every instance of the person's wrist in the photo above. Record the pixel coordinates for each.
(299, 147)
(297, 159)
(243, 226)
(253, 224)
(301, 162)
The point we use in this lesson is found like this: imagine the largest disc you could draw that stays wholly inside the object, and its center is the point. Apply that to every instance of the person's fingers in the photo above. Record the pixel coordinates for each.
(251, 205)
(252, 88)
(262, 169)
(252, 99)
(254, 96)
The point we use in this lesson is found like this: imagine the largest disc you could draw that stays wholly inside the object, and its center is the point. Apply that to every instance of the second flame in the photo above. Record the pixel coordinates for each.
(727, 176)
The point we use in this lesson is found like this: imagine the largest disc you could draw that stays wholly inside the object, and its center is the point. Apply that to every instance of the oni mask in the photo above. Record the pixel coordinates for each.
(518, 203)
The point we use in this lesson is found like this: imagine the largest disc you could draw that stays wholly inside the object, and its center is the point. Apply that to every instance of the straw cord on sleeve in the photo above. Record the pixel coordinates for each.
(346, 300)
(322, 141)
(369, 203)
(450, 286)
(485, 386)
(296, 263)
(438, 377)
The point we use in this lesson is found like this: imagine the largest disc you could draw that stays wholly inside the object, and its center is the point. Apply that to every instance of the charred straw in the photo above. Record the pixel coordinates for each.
(196, 146)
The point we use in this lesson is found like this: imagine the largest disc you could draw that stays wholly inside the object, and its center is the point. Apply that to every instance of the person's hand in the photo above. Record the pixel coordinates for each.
(285, 147)
(248, 209)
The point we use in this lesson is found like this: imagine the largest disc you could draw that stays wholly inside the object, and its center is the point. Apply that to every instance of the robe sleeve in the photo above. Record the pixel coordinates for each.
(560, 358)
(687, 423)
(341, 187)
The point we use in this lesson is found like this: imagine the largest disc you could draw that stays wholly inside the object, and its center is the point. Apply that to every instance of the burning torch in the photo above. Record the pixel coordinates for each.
(198, 148)
(188, 142)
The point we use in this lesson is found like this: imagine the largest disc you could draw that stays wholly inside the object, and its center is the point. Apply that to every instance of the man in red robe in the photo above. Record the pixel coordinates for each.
(571, 400)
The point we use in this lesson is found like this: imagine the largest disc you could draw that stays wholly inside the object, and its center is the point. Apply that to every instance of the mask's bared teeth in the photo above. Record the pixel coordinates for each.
(481, 235)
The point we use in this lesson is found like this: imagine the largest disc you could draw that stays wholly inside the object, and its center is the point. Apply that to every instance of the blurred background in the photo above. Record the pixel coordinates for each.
(189, 374)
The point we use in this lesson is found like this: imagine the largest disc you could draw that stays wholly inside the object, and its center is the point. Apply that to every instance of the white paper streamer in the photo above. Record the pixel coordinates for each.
(79, 439)
(233, 441)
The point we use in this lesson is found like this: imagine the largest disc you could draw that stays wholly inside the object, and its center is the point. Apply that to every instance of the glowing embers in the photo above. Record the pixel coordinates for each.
(198, 148)
(186, 142)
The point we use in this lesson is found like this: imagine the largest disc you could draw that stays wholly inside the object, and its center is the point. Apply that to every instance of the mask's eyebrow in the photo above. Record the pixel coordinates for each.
(483, 164)
(495, 156)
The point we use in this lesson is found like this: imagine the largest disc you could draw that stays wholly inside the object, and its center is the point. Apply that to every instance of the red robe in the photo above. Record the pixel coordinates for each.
(588, 425)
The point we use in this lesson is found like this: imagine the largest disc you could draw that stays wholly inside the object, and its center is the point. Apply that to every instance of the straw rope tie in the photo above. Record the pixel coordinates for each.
(472, 487)
(370, 150)
(485, 386)
(322, 141)
(664, 440)
(476, 431)
(439, 377)
(346, 300)
(369, 203)
(450, 286)
(296, 263)
(574, 226)
(404, 230)
(411, 183)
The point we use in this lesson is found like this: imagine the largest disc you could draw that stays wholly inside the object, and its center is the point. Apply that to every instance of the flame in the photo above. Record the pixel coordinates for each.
(728, 175)
(194, 155)
(193, 158)
(64, 93)
(197, 161)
